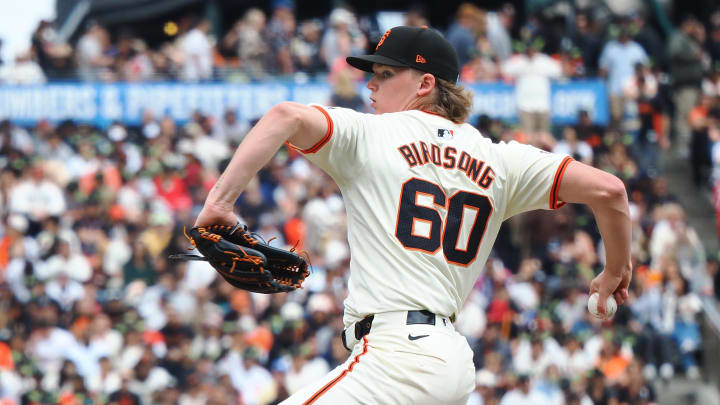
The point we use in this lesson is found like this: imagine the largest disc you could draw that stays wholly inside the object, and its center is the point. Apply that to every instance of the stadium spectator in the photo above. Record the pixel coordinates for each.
(15, 139)
(229, 129)
(711, 83)
(532, 71)
(306, 48)
(571, 145)
(280, 32)
(672, 239)
(686, 63)
(682, 310)
(584, 37)
(463, 32)
(700, 121)
(342, 38)
(498, 27)
(617, 62)
(636, 390)
(484, 394)
(645, 35)
(140, 65)
(521, 394)
(247, 38)
(416, 16)
(482, 68)
(93, 59)
(197, 53)
(37, 197)
(24, 71)
(345, 91)
(53, 56)
(640, 93)
(68, 261)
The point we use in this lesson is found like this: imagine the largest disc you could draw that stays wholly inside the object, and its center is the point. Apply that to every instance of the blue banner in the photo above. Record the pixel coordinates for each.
(101, 104)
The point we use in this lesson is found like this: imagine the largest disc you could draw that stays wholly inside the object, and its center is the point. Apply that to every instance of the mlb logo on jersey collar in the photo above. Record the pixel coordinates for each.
(445, 133)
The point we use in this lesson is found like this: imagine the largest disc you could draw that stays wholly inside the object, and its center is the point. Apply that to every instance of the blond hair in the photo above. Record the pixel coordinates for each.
(451, 100)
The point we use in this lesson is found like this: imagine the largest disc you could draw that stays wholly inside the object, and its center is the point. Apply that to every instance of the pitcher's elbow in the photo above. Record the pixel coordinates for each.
(287, 115)
(613, 189)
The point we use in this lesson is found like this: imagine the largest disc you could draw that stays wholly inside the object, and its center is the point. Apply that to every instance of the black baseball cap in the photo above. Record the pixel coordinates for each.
(423, 49)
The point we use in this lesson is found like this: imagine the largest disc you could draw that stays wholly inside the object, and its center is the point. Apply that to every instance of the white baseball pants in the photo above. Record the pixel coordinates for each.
(398, 364)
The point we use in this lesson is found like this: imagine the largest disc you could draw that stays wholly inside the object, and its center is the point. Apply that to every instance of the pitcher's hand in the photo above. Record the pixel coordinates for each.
(606, 284)
(216, 215)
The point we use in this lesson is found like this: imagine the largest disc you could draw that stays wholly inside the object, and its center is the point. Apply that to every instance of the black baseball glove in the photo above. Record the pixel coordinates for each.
(246, 262)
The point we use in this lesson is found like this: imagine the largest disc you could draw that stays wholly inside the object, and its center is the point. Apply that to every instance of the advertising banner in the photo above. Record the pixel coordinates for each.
(101, 104)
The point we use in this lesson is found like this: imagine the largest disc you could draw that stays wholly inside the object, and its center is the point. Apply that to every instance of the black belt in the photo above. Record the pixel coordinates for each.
(362, 327)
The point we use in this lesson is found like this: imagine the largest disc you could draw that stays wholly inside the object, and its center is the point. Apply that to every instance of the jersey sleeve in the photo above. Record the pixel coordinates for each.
(533, 177)
(342, 150)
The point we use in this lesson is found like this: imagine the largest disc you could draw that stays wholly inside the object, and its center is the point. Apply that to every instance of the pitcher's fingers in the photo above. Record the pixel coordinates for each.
(619, 297)
(602, 301)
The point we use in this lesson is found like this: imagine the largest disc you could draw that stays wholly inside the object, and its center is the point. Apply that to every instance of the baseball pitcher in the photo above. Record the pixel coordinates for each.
(425, 195)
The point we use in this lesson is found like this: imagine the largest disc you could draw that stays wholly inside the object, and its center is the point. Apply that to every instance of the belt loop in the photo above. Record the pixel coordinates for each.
(356, 331)
(344, 340)
(362, 328)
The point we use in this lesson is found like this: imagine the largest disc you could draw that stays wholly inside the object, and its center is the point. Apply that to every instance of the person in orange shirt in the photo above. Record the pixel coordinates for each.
(6, 359)
(11, 244)
(612, 362)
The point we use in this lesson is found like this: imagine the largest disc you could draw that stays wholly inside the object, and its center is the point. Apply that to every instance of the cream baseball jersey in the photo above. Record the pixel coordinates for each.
(425, 198)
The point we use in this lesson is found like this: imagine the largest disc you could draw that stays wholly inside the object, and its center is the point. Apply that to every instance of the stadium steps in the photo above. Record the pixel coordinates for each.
(681, 391)
(697, 203)
(701, 216)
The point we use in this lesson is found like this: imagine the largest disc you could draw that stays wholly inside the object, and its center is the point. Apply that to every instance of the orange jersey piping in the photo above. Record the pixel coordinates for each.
(324, 139)
(555, 203)
(337, 379)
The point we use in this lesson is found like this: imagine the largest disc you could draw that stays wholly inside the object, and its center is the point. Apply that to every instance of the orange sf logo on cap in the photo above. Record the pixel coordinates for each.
(385, 35)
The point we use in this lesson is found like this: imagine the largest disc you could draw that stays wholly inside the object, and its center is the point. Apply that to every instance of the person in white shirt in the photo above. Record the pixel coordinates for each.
(257, 386)
(107, 381)
(578, 362)
(571, 145)
(25, 71)
(73, 264)
(485, 390)
(229, 128)
(499, 25)
(54, 148)
(105, 342)
(90, 52)
(209, 150)
(304, 369)
(548, 386)
(198, 53)
(149, 378)
(37, 197)
(521, 394)
(532, 72)
(64, 290)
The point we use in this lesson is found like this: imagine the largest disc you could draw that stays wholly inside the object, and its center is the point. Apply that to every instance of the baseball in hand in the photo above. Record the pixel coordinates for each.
(610, 306)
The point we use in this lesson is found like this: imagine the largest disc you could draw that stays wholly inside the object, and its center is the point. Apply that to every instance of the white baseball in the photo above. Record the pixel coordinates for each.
(610, 306)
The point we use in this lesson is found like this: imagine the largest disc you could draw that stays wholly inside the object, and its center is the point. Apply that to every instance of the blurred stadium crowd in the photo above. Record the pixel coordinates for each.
(92, 311)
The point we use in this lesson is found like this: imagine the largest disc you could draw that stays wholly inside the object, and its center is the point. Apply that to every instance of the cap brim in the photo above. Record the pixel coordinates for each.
(365, 62)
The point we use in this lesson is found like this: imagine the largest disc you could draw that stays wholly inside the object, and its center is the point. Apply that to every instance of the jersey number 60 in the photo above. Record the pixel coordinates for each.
(410, 213)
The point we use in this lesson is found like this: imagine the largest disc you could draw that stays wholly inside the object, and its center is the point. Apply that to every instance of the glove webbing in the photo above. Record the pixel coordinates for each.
(215, 238)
